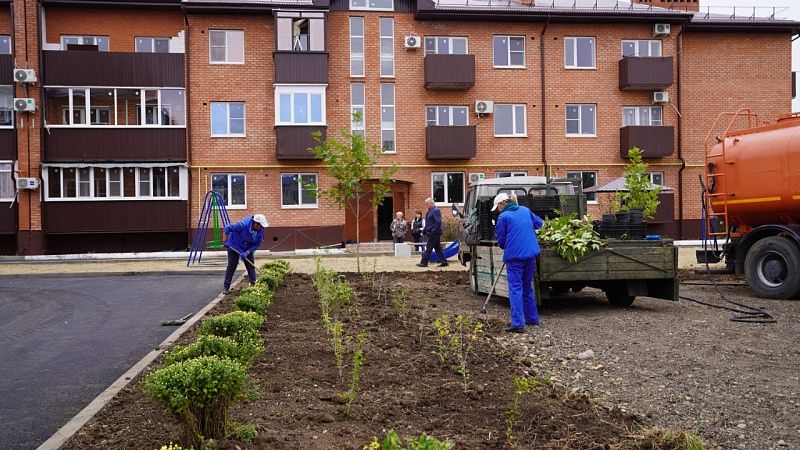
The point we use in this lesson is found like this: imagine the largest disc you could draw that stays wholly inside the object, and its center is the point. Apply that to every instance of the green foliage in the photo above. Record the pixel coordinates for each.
(399, 302)
(279, 264)
(241, 326)
(451, 228)
(337, 340)
(243, 432)
(271, 277)
(442, 346)
(522, 387)
(392, 441)
(572, 238)
(255, 299)
(223, 347)
(199, 393)
(171, 446)
(641, 192)
(456, 337)
(662, 439)
(350, 396)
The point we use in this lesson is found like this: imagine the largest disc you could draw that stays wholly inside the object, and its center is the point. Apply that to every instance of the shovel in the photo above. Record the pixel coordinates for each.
(494, 285)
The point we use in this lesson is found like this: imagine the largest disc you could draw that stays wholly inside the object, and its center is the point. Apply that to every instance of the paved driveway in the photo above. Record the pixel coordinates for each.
(64, 340)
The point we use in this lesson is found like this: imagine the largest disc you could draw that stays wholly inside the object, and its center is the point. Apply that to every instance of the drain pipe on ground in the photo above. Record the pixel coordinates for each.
(545, 167)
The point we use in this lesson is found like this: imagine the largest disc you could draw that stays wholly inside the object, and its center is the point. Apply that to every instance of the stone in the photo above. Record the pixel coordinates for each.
(588, 354)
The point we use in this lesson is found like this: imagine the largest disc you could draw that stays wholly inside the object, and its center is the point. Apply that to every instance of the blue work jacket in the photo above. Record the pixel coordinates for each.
(516, 233)
(240, 236)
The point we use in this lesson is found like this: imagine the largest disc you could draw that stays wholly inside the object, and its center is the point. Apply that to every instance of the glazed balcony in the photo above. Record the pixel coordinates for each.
(99, 144)
(295, 141)
(8, 218)
(6, 69)
(645, 74)
(301, 67)
(115, 216)
(451, 142)
(93, 68)
(449, 72)
(653, 141)
(8, 144)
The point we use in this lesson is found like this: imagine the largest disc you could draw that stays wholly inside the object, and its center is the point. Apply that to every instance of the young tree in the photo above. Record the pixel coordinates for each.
(641, 192)
(351, 161)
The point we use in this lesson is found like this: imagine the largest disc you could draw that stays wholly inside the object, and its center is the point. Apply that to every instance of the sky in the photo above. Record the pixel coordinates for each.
(764, 8)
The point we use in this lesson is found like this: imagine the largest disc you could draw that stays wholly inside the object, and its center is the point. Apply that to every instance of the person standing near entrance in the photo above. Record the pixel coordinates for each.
(433, 230)
(516, 235)
(416, 227)
(399, 228)
(244, 238)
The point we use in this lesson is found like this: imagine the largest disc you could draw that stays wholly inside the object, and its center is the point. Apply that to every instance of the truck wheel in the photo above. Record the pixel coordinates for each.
(772, 268)
(617, 295)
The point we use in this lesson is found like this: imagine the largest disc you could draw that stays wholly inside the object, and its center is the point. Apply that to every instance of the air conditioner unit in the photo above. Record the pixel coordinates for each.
(24, 104)
(661, 29)
(27, 183)
(25, 75)
(413, 42)
(475, 177)
(660, 97)
(484, 106)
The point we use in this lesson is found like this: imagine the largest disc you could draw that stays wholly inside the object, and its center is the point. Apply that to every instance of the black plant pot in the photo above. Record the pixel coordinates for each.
(623, 217)
(609, 218)
(636, 216)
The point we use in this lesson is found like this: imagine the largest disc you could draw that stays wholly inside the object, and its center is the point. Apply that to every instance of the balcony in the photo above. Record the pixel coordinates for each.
(294, 141)
(114, 144)
(301, 67)
(8, 218)
(115, 216)
(645, 74)
(456, 142)
(87, 68)
(6, 69)
(449, 72)
(653, 141)
(8, 144)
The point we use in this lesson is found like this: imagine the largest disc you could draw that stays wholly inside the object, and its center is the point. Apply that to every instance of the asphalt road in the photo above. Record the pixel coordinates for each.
(64, 340)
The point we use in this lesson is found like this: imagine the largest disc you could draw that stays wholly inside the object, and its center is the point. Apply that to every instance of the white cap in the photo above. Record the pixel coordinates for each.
(260, 219)
(499, 198)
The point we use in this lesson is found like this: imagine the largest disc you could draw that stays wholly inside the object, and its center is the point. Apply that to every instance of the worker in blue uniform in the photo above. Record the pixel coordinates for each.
(515, 232)
(244, 238)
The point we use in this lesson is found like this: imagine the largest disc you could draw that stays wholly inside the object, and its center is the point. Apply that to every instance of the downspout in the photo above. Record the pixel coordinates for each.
(680, 136)
(188, 66)
(544, 106)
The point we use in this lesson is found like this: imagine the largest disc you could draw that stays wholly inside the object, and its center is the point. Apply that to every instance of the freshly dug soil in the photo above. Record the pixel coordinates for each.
(402, 385)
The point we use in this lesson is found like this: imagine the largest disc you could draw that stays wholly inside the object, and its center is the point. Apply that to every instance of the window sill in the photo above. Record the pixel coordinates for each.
(447, 205)
(228, 135)
(105, 127)
(580, 135)
(236, 207)
(592, 202)
(580, 68)
(510, 135)
(221, 63)
(299, 206)
(301, 124)
(112, 199)
(388, 153)
(510, 67)
(352, 8)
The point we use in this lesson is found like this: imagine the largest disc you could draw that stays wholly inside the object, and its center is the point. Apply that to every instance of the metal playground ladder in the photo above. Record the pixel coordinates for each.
(214, 211)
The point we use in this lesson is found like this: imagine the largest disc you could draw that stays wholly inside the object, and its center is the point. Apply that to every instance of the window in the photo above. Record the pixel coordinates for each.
(509, 51)
(231, 186)
(641, 48)
(5, 45)
(356, 46)
(299, 190)
(301, 31)
(509, 121)
(657, 178)
(6, 106)
(446, 116)
(7, 190)
(510, 174)
(106, 182)
(579, 53)
(443, 45)
(588, 179)
(152, 45)
(581, 120)
(300, 105)
(641, 115)
(387, 47)
(357, 96)
(226, 46)
(100, 41)
(114, 107)
(388, 135)
(227, 119)
(374, 5)
(447, 187)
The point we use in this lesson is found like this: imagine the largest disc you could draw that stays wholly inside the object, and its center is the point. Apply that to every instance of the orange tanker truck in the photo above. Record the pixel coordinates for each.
(752, 199)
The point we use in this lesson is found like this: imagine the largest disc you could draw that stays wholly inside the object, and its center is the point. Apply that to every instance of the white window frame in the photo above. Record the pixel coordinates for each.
(580, 133)
(10, 173)
(292, 89)
(450, 40)
(637, 116)
(82, 37)
(10, 44)
(449, 115)
(358, 127)
(10, 111)
(369, 8)
(227, 50)
(637, 49)
(142, 106)
(464, 183)
(228, 203)
(652, 176)
(580, 177)
(509, 51)
(183, 182)
(357, 56)
(153, 40)
(515, 133)
(386, 126)
(228, 120)
(573, 42)
(386, 57)
(510, 174)
(300, 204)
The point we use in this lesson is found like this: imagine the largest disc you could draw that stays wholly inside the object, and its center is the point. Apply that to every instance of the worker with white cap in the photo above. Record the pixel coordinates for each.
(244, 238)
(516, 235)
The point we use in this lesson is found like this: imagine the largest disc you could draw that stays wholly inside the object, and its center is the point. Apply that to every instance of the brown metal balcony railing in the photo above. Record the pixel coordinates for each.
(83, 68)
(451, 142)
(114, 144)
(645, 73)
(295, 141)
(301, 67)
(449, 71)
(653, 141)
(115, 216)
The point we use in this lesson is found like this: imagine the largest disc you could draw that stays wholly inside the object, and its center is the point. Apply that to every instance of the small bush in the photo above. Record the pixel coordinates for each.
(223, 347)
(279, 264)
(171, 446)
(245, 433)
(254, 299)
(241, 326)
(662, 439)
(271, 278)
(199, 393)
(392, 441)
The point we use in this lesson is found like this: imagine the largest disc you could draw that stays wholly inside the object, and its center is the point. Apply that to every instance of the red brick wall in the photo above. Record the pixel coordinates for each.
(6, 26)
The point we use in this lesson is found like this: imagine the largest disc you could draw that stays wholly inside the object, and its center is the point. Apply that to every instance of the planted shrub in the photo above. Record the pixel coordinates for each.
(280, 264)
(571, 237)
(241, 326)
(392, 441)
(198, 392)
(223, 347)
(254, 299)
(271, 278)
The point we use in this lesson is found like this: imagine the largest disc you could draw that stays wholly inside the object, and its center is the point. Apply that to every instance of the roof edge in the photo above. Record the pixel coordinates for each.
(127, 4)
(222, 7)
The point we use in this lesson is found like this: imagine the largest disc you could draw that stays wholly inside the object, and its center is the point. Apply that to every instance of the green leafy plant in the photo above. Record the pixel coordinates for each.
(240, 326)
(255, 299)
(350, 396)
(337, 341)
(393, 441)
(223, 347)
(662, 438)
(279, 264)
(465, 336)
(243, 432)
(271, 277)
(451, 229)
(571, 237)
(172, 446)
(522, 387)
(400, 304)
(198, 392)
(641, 193)
(442, 345)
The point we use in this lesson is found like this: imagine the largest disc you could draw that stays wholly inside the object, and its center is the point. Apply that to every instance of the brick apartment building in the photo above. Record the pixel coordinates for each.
(144, 105)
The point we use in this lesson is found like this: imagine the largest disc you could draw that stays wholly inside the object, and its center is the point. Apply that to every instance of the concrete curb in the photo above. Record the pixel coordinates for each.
(110, 274)
(65, 433)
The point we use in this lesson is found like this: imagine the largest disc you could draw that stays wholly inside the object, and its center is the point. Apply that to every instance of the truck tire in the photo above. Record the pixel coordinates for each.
(617, 295)
(772, 268)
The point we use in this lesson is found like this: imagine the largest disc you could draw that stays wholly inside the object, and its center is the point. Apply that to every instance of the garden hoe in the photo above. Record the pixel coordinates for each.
(246, 261)
(494, 285)
(172, 323)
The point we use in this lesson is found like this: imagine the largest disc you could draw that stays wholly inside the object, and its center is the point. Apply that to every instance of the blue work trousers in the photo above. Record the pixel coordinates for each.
(233, 261)
(520, 292)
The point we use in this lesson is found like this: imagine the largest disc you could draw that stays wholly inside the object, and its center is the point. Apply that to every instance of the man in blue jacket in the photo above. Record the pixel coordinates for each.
(433, 229)
(516, 235)
(244, 238)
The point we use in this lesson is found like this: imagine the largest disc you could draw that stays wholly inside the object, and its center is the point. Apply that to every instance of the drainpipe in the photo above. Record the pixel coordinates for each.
(544, 105)
(187, 92)
(680, 136)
